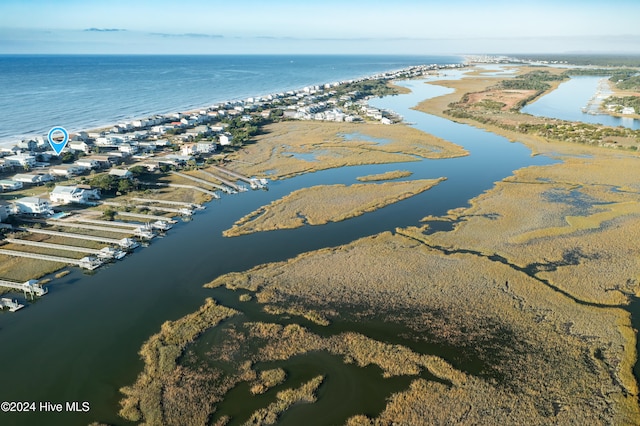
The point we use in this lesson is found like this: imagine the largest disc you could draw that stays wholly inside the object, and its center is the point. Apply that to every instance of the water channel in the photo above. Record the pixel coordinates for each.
(80, 342)
(567, 101)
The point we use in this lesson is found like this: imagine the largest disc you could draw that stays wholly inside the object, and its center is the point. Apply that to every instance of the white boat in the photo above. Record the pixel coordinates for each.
(161, 225)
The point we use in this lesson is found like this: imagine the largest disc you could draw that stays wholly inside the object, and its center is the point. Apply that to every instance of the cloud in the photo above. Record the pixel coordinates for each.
(105, 30)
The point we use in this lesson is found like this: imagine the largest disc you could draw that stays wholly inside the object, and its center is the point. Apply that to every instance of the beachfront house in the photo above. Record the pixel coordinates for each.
(10, 185)
(33, 206)
(73, 194)
(32, 178)
(80, 146)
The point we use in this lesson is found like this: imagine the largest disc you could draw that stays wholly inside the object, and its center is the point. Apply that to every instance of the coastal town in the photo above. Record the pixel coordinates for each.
(114, 189)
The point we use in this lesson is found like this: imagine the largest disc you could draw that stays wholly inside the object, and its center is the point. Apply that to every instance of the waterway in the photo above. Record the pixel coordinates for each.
(567, 101)
(80, 342)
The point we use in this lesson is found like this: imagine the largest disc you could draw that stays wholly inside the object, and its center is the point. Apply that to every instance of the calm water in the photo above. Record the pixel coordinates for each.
(82, 91)
(80, 342)
(567, 101)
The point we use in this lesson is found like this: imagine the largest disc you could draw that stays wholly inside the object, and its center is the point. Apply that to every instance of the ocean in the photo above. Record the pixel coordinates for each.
(38, 92)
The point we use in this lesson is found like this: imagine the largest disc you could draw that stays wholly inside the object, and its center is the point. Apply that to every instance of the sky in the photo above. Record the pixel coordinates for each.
(319, 27)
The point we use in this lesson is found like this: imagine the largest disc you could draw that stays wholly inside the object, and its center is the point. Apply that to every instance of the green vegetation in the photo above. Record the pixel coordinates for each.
(625, 101)
(243, 131)
(534, 80)
(112, 184)
(585, 59)
(377, 88)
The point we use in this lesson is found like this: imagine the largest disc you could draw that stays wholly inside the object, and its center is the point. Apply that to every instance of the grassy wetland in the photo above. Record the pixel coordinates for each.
(319, 205)
(515, 314)
(292, 148)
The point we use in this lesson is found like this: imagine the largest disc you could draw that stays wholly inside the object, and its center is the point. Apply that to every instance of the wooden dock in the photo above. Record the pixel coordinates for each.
(124, 242)
(53, 246)
(176, 185)
(31, 286)
(230, 184)
(170, 203)
(204, 182)
(86, 263)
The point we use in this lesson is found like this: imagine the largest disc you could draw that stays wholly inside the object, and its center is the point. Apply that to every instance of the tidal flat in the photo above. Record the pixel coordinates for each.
(516, 314)
(291, 148)
(322, 204)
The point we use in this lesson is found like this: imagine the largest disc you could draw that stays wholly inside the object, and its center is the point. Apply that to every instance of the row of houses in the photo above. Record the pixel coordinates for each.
(41, 207)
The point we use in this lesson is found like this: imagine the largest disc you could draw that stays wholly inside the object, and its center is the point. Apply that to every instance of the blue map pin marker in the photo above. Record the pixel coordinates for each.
(58, 146)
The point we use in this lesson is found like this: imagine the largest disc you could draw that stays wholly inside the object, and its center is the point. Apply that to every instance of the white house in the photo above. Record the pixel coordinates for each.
(73, 194)
(67, 170)
(87, 163)
(121, 173)
(80, 146)
(23, 160)
(32, 178)
(225, 139)
(205, 147)
(33, 206)
(10, 185)
(127, 148)
(188, 149)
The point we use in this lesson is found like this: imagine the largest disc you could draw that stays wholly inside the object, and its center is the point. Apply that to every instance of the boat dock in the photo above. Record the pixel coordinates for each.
(13, 305)
(77, 225)
(104, 253)
(132, 225)
(52, 246)
(204, 182)
(177, 185)
(184, 211)
(230, 184)
(255, 183)
(192, 206)
(85, 262)
(32, 287)
(124, 243)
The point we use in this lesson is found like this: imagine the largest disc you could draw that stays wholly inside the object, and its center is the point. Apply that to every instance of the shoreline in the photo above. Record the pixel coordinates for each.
(192, 108)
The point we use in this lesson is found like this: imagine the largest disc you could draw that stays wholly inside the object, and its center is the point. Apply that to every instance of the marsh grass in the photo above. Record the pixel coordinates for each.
(285, 399)
(144, 399)
(321, 204)
(396, 174)
(273, 151)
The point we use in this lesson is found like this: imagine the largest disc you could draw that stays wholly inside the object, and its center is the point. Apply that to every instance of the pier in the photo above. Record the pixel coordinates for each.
(204, 182)
(107, 222)
(170, 203)
(255, 183)
(230, 184)
(176, 185)
(104, 253)
(77, 225)
(183, 211)
(124, 243)
(32, 287)
(85, 262)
